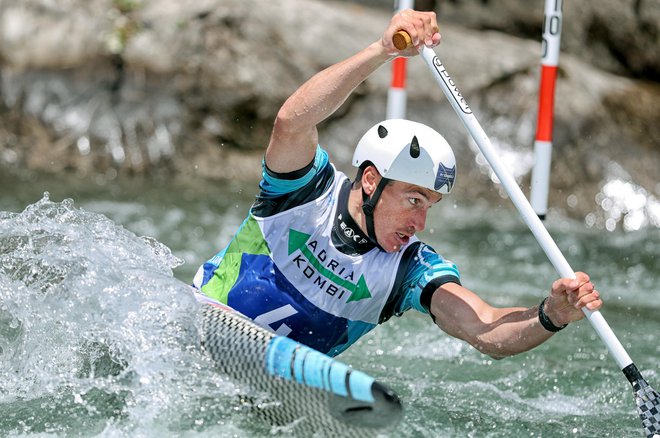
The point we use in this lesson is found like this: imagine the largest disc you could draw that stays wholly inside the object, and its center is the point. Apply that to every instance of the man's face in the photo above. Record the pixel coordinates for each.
(401, 212)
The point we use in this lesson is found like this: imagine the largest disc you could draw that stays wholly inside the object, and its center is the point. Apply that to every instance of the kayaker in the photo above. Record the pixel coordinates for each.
(323, 259)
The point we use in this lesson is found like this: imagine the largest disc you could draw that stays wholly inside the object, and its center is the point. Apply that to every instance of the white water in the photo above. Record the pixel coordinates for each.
(96, 334)
(99, 338)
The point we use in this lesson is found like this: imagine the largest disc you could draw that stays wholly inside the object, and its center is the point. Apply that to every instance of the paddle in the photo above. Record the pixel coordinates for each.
(646, 398)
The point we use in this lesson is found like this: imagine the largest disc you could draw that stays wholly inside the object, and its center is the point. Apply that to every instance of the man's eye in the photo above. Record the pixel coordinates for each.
(413, 201)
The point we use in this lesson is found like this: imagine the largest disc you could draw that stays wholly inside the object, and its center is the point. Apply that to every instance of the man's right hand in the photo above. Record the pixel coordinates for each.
(421, 26)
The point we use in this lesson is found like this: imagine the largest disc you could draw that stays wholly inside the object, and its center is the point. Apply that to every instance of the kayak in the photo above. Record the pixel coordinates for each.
(292, 385)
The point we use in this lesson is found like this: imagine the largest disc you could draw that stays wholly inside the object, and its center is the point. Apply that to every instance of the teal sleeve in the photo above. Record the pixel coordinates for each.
(428, 265)
(277, 185)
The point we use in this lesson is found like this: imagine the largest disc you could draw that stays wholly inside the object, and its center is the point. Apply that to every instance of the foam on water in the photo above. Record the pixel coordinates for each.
(95, 332)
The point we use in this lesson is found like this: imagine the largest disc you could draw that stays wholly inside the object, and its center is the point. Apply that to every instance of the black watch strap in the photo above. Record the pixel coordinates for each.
(545, 321)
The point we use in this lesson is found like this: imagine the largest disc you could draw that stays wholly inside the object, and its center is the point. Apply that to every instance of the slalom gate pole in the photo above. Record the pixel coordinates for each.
(396, 95)
(552, 21)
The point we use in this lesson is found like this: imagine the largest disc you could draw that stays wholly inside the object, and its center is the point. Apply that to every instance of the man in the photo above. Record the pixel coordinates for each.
(323, 260)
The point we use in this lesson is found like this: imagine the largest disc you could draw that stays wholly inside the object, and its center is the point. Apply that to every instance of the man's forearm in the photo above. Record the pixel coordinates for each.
(497, 332)
(512, 331)
(324, 93)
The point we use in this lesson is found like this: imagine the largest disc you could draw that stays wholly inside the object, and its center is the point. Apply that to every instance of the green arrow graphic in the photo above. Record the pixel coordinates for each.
(298, 241)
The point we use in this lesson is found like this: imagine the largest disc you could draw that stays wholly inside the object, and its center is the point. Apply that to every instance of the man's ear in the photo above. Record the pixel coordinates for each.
(370, 179)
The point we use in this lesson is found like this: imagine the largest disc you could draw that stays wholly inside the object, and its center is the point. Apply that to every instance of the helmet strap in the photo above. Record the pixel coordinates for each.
(368, 206)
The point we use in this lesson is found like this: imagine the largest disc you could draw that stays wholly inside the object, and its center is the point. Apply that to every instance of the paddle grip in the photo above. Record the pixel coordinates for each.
(402, 40)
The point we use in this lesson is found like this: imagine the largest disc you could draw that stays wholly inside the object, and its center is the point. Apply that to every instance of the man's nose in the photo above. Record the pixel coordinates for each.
(418, 222)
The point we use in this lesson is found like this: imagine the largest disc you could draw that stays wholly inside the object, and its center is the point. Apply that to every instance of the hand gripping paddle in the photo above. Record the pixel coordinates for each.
(646, 398)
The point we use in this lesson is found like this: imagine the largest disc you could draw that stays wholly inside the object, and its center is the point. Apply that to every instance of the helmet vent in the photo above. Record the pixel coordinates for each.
(414, 147)
(382, 132)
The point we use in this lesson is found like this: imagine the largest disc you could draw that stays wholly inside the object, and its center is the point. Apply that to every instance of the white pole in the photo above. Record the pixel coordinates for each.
(550, 43)
(396, 95)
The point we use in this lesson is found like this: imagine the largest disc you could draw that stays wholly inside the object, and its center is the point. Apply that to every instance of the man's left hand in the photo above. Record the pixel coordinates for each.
(567, 298)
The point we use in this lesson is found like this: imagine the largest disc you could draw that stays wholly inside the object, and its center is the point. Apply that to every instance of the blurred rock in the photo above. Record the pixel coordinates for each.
(192, 87)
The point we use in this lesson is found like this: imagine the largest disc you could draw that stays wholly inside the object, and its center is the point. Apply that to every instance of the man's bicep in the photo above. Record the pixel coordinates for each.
(460, 312)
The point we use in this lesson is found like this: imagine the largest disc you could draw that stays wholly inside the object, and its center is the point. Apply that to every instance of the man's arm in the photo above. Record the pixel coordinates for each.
(294, 137)
(501, 332)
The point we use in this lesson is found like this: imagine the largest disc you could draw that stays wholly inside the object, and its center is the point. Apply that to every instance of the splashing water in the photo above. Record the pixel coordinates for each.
(96, 334)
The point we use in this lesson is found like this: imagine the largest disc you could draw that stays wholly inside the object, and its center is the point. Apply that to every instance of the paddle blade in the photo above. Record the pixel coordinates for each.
(647, 400)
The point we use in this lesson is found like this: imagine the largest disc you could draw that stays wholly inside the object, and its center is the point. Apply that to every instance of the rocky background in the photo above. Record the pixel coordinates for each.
(112, 88)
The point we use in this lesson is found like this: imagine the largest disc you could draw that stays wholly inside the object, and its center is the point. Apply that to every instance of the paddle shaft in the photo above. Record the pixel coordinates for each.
(402, 40)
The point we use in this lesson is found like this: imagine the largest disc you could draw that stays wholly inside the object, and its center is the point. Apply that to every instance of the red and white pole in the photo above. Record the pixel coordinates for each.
(396, 95)
(552, 20)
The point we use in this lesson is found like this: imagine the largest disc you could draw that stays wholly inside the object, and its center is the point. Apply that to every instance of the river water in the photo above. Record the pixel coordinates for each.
(98, 329)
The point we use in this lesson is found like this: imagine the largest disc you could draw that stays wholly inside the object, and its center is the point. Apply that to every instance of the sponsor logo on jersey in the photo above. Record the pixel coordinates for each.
(324, 271)
(350, 232)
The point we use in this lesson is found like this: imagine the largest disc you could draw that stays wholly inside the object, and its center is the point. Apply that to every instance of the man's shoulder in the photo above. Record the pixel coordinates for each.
(278, 195)
(423, 252)
(423, 259)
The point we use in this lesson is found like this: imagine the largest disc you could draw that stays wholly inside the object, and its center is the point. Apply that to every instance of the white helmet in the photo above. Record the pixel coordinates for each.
(410, 152)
